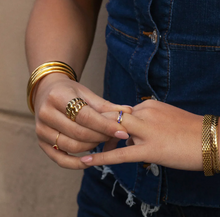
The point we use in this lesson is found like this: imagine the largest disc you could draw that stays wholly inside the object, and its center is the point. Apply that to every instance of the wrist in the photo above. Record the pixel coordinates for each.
(44, 70)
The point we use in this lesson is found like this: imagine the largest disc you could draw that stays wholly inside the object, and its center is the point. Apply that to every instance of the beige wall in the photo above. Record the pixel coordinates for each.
(30, 183)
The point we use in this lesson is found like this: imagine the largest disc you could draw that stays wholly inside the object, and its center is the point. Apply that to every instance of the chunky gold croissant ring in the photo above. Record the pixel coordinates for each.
(73, 107)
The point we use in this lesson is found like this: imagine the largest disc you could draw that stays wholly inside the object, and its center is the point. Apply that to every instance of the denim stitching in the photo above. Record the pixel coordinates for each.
(192, 45)
(120, 32)
(168, 51)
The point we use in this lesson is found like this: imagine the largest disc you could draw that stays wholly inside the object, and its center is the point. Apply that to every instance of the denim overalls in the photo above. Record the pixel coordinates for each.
(169, 49)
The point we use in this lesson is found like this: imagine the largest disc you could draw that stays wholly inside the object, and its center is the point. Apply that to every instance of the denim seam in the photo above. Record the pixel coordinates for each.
(168, 50)
(153, 53)
(194, 45)
(122, 33)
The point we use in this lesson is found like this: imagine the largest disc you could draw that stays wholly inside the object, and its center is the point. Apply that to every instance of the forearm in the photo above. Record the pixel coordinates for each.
(61, 30)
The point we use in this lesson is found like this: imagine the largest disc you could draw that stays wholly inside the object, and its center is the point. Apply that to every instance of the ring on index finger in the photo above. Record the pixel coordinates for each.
(73, 107)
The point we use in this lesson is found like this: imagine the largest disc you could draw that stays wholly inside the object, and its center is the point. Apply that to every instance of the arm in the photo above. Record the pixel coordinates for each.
(61, 30)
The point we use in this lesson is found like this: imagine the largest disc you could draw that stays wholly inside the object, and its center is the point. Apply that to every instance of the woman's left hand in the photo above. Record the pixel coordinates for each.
(161, 134)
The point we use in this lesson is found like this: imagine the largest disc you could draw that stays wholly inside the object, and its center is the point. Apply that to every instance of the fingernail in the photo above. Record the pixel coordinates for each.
(86, 159)
(121, 135)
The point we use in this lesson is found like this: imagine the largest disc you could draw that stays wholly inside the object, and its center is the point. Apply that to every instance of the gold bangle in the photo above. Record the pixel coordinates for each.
(214, 138)
(42, 71)
(206, 145)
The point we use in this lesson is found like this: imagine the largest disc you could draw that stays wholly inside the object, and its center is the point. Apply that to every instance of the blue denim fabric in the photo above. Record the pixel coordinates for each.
(180, 67)
(95, 200)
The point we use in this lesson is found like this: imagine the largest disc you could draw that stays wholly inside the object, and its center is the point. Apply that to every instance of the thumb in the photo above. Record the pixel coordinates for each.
(116, 156)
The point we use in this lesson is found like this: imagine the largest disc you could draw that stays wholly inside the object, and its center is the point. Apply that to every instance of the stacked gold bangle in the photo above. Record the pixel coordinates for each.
(210, 154)
(42, 71)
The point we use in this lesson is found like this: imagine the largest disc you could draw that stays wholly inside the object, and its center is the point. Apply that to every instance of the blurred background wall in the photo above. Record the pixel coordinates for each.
(30, 183)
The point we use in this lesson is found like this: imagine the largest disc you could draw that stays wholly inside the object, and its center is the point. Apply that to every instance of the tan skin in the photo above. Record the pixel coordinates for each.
(49, 37)
(160, 133)
(171, 137)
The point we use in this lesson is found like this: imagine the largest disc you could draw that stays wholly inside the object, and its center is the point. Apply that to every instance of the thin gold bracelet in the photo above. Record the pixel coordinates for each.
(42, 71)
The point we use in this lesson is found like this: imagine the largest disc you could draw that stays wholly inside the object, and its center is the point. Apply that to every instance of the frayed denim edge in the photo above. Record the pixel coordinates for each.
(145, 208)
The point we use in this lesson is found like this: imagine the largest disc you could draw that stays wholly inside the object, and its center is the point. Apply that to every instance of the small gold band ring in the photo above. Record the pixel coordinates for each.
(56, 146)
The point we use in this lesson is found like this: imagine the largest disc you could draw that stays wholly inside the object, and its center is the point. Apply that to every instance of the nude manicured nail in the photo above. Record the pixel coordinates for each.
(121, 135)
(86, 159)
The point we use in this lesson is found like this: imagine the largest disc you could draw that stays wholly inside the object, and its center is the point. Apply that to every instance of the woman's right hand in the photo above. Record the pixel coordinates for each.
(90, 128)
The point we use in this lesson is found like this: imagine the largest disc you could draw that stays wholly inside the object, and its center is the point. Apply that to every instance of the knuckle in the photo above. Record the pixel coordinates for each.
(102, 158)
(52, 96)
(75, 147)
(105, 105)
(121, 154)
(43, 112)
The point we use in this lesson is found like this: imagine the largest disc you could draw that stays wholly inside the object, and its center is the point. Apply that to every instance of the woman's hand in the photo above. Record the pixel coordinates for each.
(161, 134)
(90, 128)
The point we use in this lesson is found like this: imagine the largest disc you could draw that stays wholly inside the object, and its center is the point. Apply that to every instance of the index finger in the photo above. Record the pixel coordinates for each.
(91, 119)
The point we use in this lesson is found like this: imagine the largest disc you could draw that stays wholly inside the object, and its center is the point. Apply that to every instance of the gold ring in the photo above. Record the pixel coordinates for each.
(119, 119)
(73, 107)
(56, 146)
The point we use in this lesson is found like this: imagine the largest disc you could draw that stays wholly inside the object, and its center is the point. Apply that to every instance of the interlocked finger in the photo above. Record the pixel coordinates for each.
(71, 129)
(62, 142)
